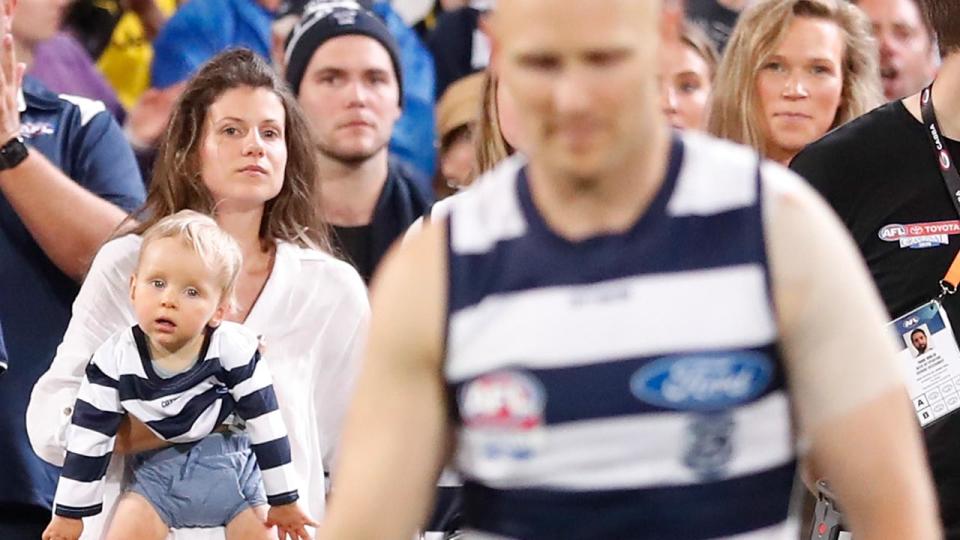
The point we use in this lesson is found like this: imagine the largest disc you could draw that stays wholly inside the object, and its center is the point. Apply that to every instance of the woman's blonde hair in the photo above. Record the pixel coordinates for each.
(693, 36)
(734, 108)
(490, 147)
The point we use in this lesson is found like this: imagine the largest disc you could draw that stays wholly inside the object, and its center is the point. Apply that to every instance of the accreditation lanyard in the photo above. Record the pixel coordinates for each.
(951, 178)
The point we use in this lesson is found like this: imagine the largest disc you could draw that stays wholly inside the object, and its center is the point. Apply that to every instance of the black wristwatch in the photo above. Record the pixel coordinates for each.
(12, 153)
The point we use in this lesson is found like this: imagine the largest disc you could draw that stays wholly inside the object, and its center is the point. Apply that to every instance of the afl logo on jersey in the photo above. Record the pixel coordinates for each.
(503, 413)
(709, 382)
(892, 232)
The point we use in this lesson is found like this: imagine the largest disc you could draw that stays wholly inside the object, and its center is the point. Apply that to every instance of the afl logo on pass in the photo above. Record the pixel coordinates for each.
(709, 382)
(503, 412)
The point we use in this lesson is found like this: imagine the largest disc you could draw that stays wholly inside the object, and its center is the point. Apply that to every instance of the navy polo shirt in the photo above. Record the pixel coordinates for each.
(3, 353)
(85, 142)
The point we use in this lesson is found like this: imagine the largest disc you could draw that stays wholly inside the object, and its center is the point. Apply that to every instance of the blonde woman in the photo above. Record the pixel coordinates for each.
(793, 70)
(687, 77)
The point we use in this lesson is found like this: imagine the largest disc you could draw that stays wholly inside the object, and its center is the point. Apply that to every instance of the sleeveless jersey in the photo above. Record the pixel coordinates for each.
(624, 386)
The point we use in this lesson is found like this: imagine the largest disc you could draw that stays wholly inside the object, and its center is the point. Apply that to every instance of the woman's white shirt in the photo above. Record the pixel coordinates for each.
(312, 313)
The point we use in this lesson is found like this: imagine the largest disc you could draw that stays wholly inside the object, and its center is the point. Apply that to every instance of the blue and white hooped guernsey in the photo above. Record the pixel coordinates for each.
(627, 386)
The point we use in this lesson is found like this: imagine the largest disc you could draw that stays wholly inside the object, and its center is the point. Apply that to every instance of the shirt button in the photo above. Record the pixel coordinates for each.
(68, 411)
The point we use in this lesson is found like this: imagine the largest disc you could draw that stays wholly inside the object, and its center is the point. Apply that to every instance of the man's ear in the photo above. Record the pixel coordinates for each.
(487, 25)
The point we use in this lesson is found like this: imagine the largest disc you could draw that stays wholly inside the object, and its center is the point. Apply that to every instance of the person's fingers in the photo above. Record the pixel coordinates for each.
(9, 73)
(302, 533)
(6, 55)
(11, 68)
(4, 58)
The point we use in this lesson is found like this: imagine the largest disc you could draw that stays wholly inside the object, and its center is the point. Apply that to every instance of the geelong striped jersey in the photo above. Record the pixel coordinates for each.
(624, 386)
(120, 379)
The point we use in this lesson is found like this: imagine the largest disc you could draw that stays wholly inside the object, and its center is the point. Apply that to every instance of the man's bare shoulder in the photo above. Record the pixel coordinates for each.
(409, 295)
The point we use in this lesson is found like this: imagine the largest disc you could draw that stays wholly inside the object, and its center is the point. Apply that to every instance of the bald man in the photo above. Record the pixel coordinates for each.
(602, 336)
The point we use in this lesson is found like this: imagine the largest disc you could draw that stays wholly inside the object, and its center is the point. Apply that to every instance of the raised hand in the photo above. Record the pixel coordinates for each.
(11, 79)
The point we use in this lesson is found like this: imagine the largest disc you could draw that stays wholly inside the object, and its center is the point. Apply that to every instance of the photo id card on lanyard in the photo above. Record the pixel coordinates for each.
(928, 356)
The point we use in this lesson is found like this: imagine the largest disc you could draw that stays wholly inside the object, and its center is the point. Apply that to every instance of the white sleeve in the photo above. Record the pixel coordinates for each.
(91, 437)
(101, 309)
(338, 368)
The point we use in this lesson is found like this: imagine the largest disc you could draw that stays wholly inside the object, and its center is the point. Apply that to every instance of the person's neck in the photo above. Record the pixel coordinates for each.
(945, 88)
(578, 208)
(178, 360)
(348, 191)
(781, 156)
(244, 227)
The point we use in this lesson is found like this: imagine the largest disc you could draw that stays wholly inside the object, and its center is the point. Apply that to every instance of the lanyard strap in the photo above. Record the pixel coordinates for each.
(951, 178)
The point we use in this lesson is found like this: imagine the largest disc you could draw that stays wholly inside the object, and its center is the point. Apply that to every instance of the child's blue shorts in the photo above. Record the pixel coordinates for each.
(202, 484)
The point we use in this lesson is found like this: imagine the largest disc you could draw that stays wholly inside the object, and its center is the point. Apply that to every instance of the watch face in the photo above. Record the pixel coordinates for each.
(12, 153)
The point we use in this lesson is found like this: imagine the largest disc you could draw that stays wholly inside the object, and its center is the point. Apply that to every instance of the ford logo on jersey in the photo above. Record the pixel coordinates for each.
(706, 382)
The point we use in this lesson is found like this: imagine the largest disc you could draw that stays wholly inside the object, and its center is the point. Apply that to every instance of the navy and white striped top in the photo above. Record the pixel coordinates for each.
(120, 379)
(628, 385)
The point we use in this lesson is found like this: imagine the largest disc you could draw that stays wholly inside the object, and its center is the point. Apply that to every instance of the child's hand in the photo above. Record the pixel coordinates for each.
(62, 528)
(290, 521)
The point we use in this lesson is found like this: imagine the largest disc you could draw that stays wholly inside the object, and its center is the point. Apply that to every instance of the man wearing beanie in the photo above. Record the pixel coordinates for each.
(342, 64)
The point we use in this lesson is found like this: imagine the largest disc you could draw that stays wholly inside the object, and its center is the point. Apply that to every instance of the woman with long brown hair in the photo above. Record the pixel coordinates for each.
(237, 148)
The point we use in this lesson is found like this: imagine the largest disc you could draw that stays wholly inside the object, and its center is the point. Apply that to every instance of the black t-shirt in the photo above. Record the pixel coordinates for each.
(716, 20)
(356, 247)
(880, 174)
(400, 203)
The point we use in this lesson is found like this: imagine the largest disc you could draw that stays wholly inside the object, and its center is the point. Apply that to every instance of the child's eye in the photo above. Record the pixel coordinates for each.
(158, 283)
(192, 292)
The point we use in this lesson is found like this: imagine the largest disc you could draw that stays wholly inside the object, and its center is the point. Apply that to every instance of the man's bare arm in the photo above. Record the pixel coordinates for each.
(852, 407)
(396, 434)
(67, 221)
